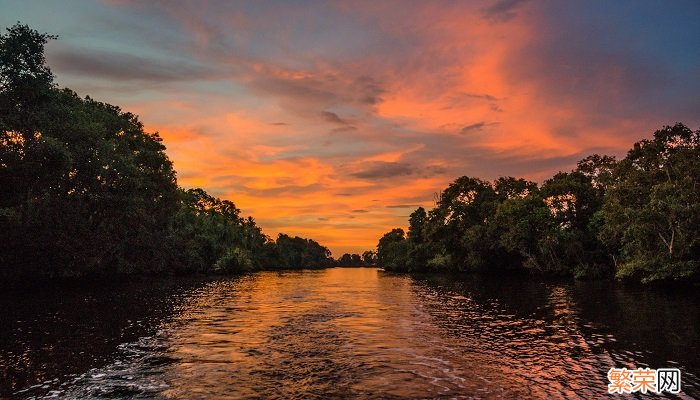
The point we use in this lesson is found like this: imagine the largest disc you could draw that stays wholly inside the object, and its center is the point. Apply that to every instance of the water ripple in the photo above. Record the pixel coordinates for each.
(360, 333)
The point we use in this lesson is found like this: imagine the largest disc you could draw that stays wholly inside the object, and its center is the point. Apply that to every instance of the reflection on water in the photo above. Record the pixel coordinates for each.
(48, 332)
(340, 333)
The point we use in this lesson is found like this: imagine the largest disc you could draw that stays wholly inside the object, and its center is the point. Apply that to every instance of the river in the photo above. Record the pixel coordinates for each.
(341, 333)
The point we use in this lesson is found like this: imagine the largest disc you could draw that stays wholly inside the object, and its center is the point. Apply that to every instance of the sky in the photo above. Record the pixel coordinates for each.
(335, 120)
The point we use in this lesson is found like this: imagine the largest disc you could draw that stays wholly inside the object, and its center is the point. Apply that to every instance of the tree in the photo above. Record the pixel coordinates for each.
(369, 257)
(652, 211)
(459, 223)
(350, 260)
(392, 250)
(85, 188)
(599, 169)
(419, 252)
(26, 84)
(511, 188)
(25, 80)
(570, 245)
(519, 226)
(638, 218)
(297, 252)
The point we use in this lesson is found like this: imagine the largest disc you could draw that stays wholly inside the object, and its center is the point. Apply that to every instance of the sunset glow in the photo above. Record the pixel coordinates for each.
(334, 120)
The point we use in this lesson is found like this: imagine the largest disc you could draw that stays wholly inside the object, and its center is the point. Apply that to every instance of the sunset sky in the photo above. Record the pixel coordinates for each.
(334, 120)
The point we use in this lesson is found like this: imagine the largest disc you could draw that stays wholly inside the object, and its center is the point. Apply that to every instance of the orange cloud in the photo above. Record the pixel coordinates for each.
(334, 123)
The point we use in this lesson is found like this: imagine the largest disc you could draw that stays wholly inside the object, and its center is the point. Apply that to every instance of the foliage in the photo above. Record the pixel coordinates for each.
(369, 257)
(350, 260)
(392, 251)
(638, 219)
(235, 260)
(86, 191)
(84, 187)
(296, 252)
(652, 210)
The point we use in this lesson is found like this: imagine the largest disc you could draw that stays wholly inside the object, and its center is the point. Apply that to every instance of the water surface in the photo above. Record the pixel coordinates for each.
(342, 333)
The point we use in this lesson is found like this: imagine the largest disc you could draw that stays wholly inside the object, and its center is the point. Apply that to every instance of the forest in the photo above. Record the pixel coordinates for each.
(637, 219)
(87, 192)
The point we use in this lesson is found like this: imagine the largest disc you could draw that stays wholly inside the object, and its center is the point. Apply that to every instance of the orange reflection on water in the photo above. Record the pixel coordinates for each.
(363, 333)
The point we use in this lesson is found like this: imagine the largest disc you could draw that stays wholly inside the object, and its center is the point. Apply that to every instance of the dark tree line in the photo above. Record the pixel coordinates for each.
(86, 191)
(637, 218)
(367, 259)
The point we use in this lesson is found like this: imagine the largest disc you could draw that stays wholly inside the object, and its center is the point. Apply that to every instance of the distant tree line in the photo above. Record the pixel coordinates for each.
(367, 259)
(636, 219)
(84, 190)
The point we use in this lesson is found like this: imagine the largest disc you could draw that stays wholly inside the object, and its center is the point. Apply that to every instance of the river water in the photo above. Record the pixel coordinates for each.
(341, 333)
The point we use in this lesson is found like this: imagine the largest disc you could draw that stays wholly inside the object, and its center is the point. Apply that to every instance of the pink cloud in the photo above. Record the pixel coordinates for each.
(302, 116)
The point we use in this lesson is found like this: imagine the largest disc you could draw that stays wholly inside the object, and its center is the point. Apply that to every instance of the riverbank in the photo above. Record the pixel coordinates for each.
(637, 219)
